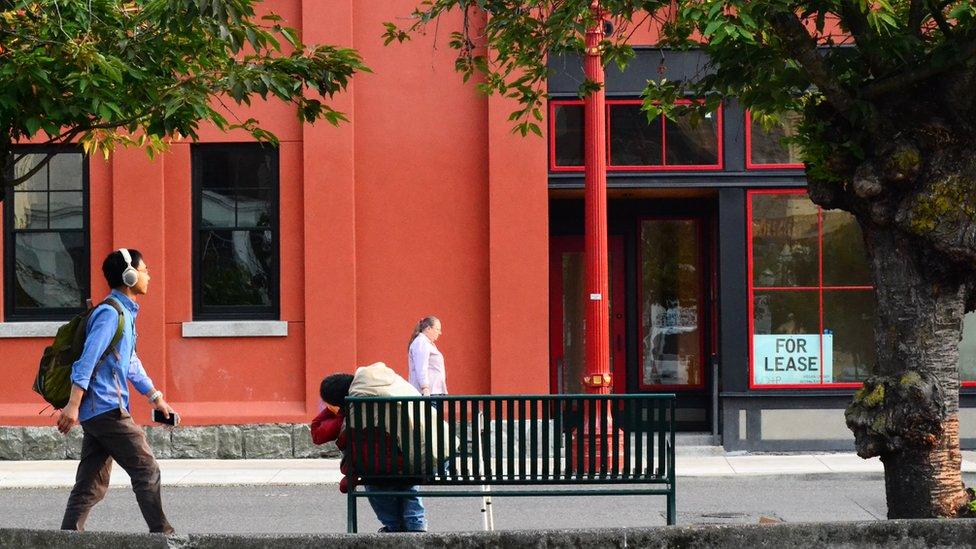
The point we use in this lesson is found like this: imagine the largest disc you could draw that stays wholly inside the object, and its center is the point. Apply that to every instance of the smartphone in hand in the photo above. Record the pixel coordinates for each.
(159, 417)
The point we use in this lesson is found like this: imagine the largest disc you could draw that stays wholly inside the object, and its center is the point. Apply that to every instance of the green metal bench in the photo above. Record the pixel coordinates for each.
(512, 440)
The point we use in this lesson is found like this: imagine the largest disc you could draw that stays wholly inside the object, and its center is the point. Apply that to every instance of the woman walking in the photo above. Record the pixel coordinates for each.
(427, 373)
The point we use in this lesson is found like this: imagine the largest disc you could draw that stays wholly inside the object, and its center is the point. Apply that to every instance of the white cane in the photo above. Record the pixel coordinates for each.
(487, 516)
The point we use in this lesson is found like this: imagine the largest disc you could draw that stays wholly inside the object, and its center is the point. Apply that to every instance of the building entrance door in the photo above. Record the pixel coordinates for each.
(567, 314)
(662, 309)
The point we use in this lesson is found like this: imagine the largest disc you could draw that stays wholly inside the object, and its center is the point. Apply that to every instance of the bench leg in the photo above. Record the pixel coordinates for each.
(352, 525)
(672, 507)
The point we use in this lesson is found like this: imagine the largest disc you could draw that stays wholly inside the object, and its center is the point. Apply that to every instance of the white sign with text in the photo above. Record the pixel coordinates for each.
(784, 359)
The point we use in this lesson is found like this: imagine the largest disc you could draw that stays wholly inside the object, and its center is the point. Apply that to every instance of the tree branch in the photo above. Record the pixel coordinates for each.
(917, 74)
(802, 47)
(857, 22)
(916, 14)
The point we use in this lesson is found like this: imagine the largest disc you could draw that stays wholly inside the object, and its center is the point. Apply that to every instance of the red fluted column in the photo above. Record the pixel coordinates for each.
(597, 377)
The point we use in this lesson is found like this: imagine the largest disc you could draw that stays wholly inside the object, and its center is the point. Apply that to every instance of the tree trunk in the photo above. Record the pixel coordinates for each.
(907, 412)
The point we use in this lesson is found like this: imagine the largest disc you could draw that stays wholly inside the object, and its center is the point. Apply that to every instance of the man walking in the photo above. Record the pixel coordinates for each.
(100, 400)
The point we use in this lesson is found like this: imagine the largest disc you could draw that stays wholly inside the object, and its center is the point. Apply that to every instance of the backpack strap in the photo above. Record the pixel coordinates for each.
(121, 327)
(112, 347)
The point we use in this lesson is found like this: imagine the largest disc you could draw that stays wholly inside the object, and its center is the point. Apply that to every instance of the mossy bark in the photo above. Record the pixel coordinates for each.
(906, 413)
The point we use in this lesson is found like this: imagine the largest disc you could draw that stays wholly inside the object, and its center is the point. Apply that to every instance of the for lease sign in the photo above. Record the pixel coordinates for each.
(781, 359)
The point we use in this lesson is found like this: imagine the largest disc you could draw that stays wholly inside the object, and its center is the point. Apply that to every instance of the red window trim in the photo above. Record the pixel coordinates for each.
(819, 289)
(701, 310)
(650, 168)
(750, 165)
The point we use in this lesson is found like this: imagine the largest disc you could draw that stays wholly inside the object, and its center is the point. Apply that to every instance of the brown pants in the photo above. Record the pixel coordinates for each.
(108, 436)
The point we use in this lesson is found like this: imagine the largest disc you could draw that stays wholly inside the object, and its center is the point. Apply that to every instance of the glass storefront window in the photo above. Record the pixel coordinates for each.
(784, 240)
(765, 147)
(812, 303)
(635, 143)
(692, 142)
(567, 134)
(967, 350)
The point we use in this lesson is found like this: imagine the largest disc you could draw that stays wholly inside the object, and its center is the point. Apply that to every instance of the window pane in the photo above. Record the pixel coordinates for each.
(569, 135)
(66, 172)
(67, 210)
(767, 145)
(633, 140)
(849, 320)
(967, 349)
(30, 210)
(784, 240)
(49, 270)
(247, 167)
(786, 340)
(690, 141)
(845, 261)
(23, 163)
(254, 207)
(217, 208)
(236, 268)
(670, 286)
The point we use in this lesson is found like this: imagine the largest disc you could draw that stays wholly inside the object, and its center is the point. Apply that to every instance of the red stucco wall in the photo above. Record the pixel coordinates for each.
(425, 203)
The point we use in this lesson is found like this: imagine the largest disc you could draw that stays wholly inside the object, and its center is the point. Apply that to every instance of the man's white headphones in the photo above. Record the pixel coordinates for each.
(129, 276)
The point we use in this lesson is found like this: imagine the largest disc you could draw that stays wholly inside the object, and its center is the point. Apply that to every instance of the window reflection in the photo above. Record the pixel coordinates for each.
(813, 316)
(236, 266)
(967, 348)
(47, 237)
(766, 144)
(633, 140)
(849, 317)
(670, 286)
(569, 135)
(691, 141)
(784, 240)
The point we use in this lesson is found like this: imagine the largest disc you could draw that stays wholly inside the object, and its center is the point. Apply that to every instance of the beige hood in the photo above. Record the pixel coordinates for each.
(379, 380)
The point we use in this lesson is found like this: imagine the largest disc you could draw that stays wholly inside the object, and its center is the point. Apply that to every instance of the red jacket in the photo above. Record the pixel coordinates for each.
(327, 426)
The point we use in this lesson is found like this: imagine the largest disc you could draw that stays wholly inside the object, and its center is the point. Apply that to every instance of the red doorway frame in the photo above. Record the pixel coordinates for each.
(558, 245)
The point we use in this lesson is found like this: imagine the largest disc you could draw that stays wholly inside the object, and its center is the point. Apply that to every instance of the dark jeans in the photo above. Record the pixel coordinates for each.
(108, 436)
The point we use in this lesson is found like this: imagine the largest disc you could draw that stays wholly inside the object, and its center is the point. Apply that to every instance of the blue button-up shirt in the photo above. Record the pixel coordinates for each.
(101, 392)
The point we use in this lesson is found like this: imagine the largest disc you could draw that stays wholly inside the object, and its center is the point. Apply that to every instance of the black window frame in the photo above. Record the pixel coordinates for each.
(10, 311)
(238, 312)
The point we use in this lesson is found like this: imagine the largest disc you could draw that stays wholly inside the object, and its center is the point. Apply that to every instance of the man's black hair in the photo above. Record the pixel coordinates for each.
(334, 389)
(114, 264)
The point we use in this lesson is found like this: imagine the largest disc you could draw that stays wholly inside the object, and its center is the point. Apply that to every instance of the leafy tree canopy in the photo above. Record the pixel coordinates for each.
(110, 73)
(773, 55)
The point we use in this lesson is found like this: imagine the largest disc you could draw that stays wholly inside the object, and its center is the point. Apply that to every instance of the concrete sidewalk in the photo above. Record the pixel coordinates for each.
(265, 472)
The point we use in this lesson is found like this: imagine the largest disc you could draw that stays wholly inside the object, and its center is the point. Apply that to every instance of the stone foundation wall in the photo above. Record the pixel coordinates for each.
(264, 441)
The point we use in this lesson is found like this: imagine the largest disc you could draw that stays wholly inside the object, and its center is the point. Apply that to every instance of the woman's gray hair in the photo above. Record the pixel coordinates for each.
(426, 322)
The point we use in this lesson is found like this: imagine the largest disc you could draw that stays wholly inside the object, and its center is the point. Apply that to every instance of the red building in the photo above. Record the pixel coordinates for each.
(272, 267)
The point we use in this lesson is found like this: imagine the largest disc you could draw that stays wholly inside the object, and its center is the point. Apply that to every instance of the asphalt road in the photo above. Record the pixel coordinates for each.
(313, 509)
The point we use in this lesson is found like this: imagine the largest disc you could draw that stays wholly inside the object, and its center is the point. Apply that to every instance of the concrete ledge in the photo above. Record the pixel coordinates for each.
(29, 329)
(892, 534)
(236, 328)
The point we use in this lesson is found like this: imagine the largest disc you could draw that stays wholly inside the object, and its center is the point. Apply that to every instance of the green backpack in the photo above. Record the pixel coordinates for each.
(53, 381)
